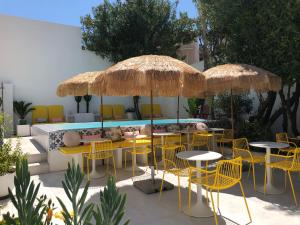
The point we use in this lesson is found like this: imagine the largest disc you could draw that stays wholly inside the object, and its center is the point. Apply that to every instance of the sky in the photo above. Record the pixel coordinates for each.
(64, 11)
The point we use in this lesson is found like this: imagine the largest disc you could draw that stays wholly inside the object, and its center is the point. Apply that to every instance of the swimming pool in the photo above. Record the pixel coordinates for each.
(109, 124)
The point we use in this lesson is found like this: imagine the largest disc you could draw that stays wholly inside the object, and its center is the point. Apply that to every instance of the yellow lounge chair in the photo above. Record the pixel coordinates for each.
(107, 112)
(56, 113)
(40, 114)
(146, 111)
(118, 112)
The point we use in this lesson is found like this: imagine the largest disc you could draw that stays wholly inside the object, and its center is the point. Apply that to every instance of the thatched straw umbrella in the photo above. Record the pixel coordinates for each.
(79, 85)
(150, 75)
(238, 78)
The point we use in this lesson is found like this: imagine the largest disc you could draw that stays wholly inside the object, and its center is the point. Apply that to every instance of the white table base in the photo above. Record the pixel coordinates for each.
(270, 188)
(200, 208)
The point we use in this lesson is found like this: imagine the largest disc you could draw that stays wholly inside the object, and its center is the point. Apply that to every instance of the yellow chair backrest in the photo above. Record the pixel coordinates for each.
(56, 112)
(118, 112)
(170, 160)
(107, 112)
(240, 148)
(40, 114)
(173, 139)
(200, 139)
(228, 173)
(282, 137)
(296, 160)
(228, 134)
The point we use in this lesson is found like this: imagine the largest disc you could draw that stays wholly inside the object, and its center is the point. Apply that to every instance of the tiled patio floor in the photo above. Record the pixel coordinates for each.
(144, 209)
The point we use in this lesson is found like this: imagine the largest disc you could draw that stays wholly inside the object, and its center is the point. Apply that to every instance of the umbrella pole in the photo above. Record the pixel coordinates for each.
(101, 103)
(178, 109)
(152, 150)
(231, 105)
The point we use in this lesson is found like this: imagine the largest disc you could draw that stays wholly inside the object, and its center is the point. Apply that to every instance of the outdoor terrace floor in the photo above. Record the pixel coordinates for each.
(144, 209)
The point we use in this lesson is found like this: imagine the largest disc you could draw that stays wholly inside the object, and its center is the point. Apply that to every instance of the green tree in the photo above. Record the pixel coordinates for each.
(128, 28)
(261, 33)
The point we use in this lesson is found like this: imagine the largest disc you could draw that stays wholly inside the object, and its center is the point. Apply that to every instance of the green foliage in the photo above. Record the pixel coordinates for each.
(82, 214)
(242, 104)
(9, 154)
(129, 28)
(112, 205)
(22, 108)
(193, 105)
(31, 209)
(254, 131)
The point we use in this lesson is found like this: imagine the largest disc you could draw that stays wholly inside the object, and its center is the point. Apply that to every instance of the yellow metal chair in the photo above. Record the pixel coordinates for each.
(40, 114)
(226, 138)
(288, 164)
(283, 138)
(173, 165)
(241, 149)
(107, 112)
(201, 139)
(103, 150)
(56, 113)
(138, 148)
(227, 174)
(118, 112)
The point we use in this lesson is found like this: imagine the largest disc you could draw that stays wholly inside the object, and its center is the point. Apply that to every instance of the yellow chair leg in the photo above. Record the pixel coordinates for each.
(285, 180)
(189, 193)
(213, 206)
(125, 159)
(292, 186)
(114, 165)
(265, 180)
(242, 190)
(82, 158)
(88, 168)
(179, 194)
(161, 185)
(253, 175)
(218, 199)
(132, 165)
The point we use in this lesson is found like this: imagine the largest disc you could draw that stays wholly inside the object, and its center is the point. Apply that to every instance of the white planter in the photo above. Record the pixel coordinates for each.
(6, 181)
(23, 130)
(130, 115)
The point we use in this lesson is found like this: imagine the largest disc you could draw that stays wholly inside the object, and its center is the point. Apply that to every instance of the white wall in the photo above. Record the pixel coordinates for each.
(35, 56)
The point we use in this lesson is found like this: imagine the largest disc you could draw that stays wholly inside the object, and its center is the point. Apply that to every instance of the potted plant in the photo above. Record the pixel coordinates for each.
(78, 100)
(21, 108)
(130, 113)
(9, 155)
(87, 99)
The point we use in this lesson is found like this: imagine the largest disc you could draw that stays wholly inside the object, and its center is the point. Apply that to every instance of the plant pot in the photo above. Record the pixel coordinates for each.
(130, 115)
(23, 130)
(6, 181)
(22, 122)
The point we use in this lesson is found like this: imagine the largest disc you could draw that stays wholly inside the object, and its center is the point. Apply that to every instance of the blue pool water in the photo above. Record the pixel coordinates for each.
(92, 125)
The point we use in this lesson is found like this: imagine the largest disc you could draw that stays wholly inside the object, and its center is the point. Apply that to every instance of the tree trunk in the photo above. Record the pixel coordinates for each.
(136, 100)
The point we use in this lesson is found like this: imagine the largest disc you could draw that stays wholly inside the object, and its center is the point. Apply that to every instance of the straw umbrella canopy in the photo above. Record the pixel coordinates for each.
(77, 85)
(239, 78)
(150, 75)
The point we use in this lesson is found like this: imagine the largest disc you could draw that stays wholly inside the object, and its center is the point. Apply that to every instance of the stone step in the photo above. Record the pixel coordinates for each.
(37, 158)
(38, 168)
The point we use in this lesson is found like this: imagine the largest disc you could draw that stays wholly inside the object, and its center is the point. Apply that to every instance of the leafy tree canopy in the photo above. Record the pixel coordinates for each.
(128, 28)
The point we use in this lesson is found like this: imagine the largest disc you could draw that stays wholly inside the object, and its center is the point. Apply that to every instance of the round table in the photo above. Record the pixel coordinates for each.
(268, 145)
(134, 139)
(199, 209)
(94, 174)
(215, 130)
(188, 132)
